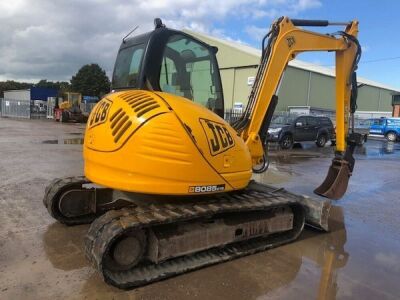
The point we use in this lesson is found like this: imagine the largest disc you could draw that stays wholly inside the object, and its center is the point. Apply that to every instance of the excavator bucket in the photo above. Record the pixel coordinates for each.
(337, 180)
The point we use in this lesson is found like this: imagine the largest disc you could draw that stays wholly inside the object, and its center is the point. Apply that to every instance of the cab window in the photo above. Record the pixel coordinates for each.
(378, 122)
(189, 70)
(312, 121)
(301, 120)
(393, 122)
(127, 67)
(168, 80)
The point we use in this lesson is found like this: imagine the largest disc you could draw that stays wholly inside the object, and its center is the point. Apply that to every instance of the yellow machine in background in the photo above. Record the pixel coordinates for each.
(69, 108)
(70, 99)
(175, 177)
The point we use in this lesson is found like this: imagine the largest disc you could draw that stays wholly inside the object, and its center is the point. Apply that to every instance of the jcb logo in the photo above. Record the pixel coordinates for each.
(291, 41)
(218, 136)
(100, 112)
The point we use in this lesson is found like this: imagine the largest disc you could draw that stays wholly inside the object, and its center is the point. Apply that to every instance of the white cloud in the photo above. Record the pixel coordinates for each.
(257, 33)
(389, 260)
(52, 38)
(365, 48)
(306, 4)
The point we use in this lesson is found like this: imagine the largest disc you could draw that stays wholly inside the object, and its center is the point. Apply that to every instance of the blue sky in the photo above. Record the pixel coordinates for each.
(379, 34)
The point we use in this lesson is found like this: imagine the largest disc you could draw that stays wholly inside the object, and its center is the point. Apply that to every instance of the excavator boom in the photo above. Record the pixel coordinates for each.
(285, 42)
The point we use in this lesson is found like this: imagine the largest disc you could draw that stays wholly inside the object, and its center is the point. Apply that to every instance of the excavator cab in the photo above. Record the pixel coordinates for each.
(171, 61)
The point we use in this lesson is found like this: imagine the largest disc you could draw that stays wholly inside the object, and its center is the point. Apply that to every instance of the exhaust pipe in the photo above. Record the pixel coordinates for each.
(337, 180)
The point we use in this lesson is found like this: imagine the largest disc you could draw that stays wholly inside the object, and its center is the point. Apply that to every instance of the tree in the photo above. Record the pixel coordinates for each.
(91, 80)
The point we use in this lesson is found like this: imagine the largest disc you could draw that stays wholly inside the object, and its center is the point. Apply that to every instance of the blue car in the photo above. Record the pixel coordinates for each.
(387, 127)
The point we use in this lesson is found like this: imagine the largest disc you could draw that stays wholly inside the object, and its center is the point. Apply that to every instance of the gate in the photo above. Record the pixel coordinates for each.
(16, 108)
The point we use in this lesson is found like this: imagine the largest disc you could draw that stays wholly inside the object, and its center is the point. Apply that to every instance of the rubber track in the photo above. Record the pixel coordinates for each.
(105, 229)
(55, 190)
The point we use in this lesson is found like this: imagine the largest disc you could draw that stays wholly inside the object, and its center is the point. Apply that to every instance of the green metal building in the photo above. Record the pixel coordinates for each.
(305, 88)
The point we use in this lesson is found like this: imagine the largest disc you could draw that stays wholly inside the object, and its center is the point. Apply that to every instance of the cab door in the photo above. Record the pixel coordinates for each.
(300, 129)
(378, 127)
(312, 131)
(189, 69)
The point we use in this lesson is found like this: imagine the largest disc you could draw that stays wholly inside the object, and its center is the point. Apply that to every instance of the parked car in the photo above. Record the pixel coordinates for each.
(387, 127)
(286, 130)
(362, 126)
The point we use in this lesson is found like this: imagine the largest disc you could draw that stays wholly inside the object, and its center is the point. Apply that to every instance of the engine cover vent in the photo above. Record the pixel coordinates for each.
(141, 103)
(119, 115)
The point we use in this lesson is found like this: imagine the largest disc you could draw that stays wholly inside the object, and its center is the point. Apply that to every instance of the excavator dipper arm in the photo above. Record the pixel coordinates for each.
(286, 40)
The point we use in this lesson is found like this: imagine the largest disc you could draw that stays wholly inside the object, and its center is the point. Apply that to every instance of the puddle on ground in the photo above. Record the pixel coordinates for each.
(378, 149)
(292, 158)
(305, 151)
(63, 246)
(317, 257)
(50, 142)
(71, 141)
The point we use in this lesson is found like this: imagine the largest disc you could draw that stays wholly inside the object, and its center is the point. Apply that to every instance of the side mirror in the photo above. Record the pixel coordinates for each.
(299, 124)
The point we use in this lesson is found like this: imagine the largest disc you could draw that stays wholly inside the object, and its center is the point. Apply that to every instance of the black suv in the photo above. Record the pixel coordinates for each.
(289, 129)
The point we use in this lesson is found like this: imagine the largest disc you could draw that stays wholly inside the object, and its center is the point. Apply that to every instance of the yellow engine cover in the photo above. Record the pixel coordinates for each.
(158, 143)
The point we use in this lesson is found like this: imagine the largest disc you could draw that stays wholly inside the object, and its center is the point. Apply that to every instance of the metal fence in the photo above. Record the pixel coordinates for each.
(26, 109)
(231, 115)
(15, 108)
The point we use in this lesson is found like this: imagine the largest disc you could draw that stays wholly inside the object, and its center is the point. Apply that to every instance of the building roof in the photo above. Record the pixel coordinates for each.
(296, 63)
(26, 90)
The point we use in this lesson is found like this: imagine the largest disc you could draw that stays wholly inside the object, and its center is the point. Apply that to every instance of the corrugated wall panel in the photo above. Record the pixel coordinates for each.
(227, 78)
(386, 100)
(17, 95)
(368, 98)
(293, 90)
(322, 91)
(242, 89)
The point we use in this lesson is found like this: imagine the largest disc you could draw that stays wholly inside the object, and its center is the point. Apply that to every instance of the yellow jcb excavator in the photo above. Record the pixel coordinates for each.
(167, 182)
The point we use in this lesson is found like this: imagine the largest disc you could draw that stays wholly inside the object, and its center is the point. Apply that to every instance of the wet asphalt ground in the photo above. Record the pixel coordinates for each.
(358, 259)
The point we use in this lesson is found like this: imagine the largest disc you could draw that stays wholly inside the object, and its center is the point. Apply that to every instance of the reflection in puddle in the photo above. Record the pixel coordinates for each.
(378, 149)
(292, 157)
(306, 151)
(72, 141)
(328, 252)
(50, 142)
